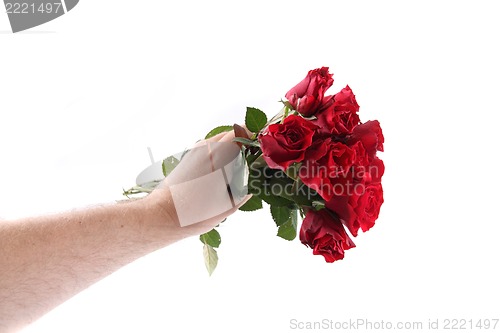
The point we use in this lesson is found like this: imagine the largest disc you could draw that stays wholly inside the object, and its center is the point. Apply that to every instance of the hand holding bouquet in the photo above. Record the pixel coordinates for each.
(314, 159)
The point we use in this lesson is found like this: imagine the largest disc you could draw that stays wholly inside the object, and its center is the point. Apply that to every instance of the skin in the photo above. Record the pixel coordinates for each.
(46, 260)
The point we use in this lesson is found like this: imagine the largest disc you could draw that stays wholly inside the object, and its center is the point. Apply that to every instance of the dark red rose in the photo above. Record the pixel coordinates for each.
(330, 175)
(370, 135)
(308, 95)
(325, 234)
(338, 114)
(361, 209)
(284, 144)
(318, 149)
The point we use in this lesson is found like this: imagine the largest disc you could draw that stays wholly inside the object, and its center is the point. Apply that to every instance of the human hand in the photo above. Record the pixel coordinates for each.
(206, 187)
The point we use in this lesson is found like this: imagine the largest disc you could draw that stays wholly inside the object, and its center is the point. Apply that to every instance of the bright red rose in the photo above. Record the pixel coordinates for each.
(338, 114)
(325, 234)
(359, 210)
(370, 135)
(308, 95)
(330, 175)
(284, 144)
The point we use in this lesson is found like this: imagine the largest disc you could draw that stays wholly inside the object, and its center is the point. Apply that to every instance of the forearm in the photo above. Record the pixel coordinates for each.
(46, 260)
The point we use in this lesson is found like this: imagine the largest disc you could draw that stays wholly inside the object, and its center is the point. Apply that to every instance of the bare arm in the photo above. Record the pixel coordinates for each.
(46, 260)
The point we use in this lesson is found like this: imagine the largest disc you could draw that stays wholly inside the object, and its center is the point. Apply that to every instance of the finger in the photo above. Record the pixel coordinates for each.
(242, 131)
(214, 138)
(242, 202)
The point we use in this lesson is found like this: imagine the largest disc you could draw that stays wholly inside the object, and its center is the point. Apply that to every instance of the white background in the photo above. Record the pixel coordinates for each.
(83, 96)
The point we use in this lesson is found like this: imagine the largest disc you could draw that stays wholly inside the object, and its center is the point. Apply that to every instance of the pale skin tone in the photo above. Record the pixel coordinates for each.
(46, 260)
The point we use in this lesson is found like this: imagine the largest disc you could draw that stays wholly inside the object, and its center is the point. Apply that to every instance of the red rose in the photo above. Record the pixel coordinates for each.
(338, 114)
(375, 171)
(361, 162)
(308, 95)
(324, 233)
(359, 210)
(284, 144)
(331, 175)
(370, 135)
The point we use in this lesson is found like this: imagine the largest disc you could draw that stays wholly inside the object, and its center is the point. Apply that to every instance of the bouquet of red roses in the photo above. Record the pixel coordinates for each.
(315, 159)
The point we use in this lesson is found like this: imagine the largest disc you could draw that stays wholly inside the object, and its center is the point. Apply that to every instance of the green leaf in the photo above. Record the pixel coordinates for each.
(318, 205)
(259, 185)
(255, 119)
(217, 130)
(211, 238)
(293, 190)
(256, 160)
(280, 214)
(247, 142)
(288, 230)
(285, 187)
(254, 203)
(293, 171)
(168, 165)
(275, 200)
(211, 258)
